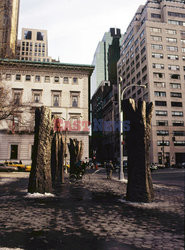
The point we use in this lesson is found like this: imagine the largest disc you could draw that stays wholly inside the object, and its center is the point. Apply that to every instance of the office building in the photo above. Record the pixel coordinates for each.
(34, 45)
(153, 53)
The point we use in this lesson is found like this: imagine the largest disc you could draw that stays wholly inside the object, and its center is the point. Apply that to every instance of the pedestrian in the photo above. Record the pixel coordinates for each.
(111, 167)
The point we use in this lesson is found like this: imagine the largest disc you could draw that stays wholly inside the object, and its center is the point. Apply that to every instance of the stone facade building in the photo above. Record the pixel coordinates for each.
(153, 53)
(9, 16)
(64, 88)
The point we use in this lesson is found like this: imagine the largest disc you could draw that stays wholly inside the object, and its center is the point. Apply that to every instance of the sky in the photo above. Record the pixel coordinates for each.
(76, 26)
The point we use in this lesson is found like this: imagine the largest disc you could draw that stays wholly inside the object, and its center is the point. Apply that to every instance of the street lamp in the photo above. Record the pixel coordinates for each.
(121, 94)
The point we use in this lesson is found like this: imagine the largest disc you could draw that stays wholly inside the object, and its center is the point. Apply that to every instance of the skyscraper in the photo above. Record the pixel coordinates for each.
(101, 60)
(153, 53)
(9, 10)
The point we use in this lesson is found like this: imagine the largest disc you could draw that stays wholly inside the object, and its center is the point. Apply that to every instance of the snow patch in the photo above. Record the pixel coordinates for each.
(39, 195)
(146, 205)
(6, 248)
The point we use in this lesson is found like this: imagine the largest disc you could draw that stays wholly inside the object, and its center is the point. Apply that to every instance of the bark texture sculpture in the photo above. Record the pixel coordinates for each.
(40, 177)
(76, 151)
(139, 187)
(57, 158)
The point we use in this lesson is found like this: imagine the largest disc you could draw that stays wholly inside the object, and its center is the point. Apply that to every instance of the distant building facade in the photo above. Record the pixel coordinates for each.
(153, 53)
(105, 98)
(101, 60)
(33, 45)
(9, 10)
(64, 88)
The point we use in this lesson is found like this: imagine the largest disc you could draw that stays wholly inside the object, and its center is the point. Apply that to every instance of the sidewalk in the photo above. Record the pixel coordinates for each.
(89, 216)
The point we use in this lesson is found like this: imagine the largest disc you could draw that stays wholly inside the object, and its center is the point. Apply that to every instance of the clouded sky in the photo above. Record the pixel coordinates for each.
(76, 26)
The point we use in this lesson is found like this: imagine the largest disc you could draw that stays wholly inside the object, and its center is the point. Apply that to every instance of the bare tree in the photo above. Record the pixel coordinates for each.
(12, 109)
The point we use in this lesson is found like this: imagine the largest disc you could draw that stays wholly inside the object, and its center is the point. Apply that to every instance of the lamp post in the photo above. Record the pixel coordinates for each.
(121, 94)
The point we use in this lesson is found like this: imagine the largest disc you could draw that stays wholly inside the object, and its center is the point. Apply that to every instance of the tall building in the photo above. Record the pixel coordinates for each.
(9, 16)
(61, 87)
(34, 45)
(101, 61)
(104, 100)
(153, 53)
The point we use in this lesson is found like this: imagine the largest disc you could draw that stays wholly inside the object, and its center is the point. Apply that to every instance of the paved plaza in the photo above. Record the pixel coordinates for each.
(92, 215)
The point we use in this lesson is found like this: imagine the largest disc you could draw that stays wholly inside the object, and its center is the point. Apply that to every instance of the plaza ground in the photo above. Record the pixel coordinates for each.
(91, 215)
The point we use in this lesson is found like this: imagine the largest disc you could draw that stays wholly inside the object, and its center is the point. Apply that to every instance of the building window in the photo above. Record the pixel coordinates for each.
(161, 113)
(179, 143)
(163, 143)
(177, 113)
(28, 77)
(171, 40)
(143, 50)
(156, 38)
(155, 15)
(173, 67)
(157, 55)
(56, 99)
(162, 123)
(56, 79)
(176, 104)
(155, 30)
(8, 77)
(17, 94)
(157, 46)
(160, 93)
(176, 94)
(160, 103)
(27, 35)
(66, 80)
(40, 36)
(162, 132)
(158, 75)
(74, 120)
(178, 123)
(171, 48)
(176, 22)
(171, 32)
(14, 152)
(18, 77)
(175, 85)
(157, 66)
(175, 76)
(47, 79)
(75, 99)
(183, 50)
(173, 57)
(37, 78)
(160, 84)
(178, 133)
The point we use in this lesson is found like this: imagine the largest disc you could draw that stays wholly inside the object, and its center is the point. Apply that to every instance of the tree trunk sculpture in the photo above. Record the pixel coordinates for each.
(57, 159)
(139, 187)
(40, 177)
(76, 151)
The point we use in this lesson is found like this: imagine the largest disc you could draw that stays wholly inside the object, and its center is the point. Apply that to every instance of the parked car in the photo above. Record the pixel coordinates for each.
(5, 168)
(160, 165)
(27, 168)
(180, 165)
(153, 166)
(20, 166)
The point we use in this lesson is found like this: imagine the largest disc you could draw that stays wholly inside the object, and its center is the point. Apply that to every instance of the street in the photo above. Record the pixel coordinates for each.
(92, 215)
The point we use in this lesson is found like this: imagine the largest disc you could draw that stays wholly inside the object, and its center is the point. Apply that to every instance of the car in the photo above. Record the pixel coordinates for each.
(160, 165)
(180, 165)
(20, 166)
(153, 166)
(5, 168)
(27, 168)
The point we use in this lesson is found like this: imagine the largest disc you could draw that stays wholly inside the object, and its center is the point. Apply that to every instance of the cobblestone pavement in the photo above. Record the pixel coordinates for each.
(89, 216)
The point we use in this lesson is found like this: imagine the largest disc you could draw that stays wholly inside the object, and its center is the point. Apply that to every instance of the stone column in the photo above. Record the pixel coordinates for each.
(76, 151)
